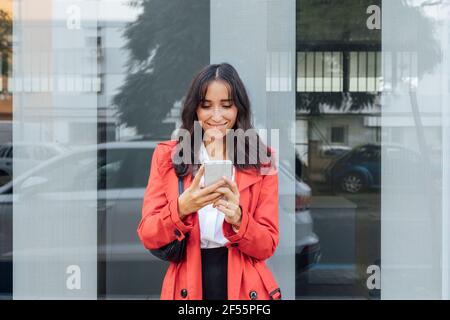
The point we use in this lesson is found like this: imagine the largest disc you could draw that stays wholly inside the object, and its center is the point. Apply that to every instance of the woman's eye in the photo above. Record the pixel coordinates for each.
(205, 106)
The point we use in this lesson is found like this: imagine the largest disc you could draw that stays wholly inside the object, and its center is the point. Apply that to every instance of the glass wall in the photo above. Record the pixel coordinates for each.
(54, 124)
(97, 84)
(415, 181)
(338, 152)
(372, 126)
(352, 95)
(6, 147)
(147, 62)
(265, 57)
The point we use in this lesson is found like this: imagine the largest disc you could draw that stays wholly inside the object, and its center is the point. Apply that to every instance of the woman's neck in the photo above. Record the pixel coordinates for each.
(216, 149)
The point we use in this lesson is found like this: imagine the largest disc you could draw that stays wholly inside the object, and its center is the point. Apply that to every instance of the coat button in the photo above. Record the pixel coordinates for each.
(177, 232)
(184, 293)
(253, 295)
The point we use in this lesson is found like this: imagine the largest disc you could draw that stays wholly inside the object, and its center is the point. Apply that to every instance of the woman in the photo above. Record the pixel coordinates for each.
(232, 224)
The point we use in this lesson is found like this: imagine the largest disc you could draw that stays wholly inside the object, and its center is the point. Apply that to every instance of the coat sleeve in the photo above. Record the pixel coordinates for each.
(258, 235)
(160, 223)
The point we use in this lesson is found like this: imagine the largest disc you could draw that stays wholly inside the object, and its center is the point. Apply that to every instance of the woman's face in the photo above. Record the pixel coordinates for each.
(217, 113)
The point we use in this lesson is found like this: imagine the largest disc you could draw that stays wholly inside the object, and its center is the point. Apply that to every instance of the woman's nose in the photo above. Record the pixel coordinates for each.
(217, 113)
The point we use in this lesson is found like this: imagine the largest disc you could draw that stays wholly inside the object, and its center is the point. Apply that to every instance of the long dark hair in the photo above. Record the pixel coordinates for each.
(236, 91)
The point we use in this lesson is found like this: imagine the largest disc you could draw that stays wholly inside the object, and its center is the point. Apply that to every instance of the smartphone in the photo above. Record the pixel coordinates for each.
(215, 169)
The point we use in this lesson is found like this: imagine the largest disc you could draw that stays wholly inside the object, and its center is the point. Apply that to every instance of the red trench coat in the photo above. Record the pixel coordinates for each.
(256, 241)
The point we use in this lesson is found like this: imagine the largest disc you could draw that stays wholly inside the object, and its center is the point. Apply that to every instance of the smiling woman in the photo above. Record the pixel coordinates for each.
(235, 236)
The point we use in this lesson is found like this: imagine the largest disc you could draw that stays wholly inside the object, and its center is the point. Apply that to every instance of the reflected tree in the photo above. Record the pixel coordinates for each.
(167, 44)
(5, 42)
(419, 39)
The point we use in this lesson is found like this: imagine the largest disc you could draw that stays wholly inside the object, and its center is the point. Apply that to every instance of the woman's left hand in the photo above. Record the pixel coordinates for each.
(230, 205)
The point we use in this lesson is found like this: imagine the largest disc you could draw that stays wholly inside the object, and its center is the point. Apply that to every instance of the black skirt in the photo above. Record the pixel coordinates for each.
(214, 273)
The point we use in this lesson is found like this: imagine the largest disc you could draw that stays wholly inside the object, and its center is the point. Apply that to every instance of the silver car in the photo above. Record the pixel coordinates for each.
(26, 156)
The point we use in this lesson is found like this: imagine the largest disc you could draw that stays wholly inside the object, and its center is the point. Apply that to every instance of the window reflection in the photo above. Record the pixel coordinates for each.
(338, 111)
(147, 64)
(133, 63)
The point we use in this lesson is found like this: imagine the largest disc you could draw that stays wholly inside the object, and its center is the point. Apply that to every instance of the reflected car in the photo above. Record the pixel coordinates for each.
(333, 150)
(26, 156)
(114, 177)
(307, 244)
(111, 177)
(357, 170)
(307, 249)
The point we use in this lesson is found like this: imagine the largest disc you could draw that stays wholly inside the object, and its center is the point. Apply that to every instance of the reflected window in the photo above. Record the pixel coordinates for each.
(338, 135)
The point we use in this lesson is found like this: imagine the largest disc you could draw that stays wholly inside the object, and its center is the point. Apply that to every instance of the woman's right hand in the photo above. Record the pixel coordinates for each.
(195, 197)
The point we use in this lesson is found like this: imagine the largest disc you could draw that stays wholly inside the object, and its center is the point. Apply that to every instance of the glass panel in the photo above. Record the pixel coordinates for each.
(265, 33)
(338, 152)
(148, 53)
(362, 145)
(6, 34)
(415, 177)
(52, 114)
(102, 86)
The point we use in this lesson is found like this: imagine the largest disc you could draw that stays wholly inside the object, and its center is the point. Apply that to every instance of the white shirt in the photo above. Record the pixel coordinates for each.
(211, 219)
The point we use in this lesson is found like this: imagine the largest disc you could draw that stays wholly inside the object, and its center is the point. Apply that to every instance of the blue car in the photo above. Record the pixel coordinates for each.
(356, 170)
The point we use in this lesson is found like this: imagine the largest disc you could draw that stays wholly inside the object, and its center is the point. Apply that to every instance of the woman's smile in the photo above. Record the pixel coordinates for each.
(217, 125)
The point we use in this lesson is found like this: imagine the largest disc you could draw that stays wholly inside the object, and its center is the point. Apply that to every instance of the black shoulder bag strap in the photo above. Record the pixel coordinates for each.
(175, 250)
